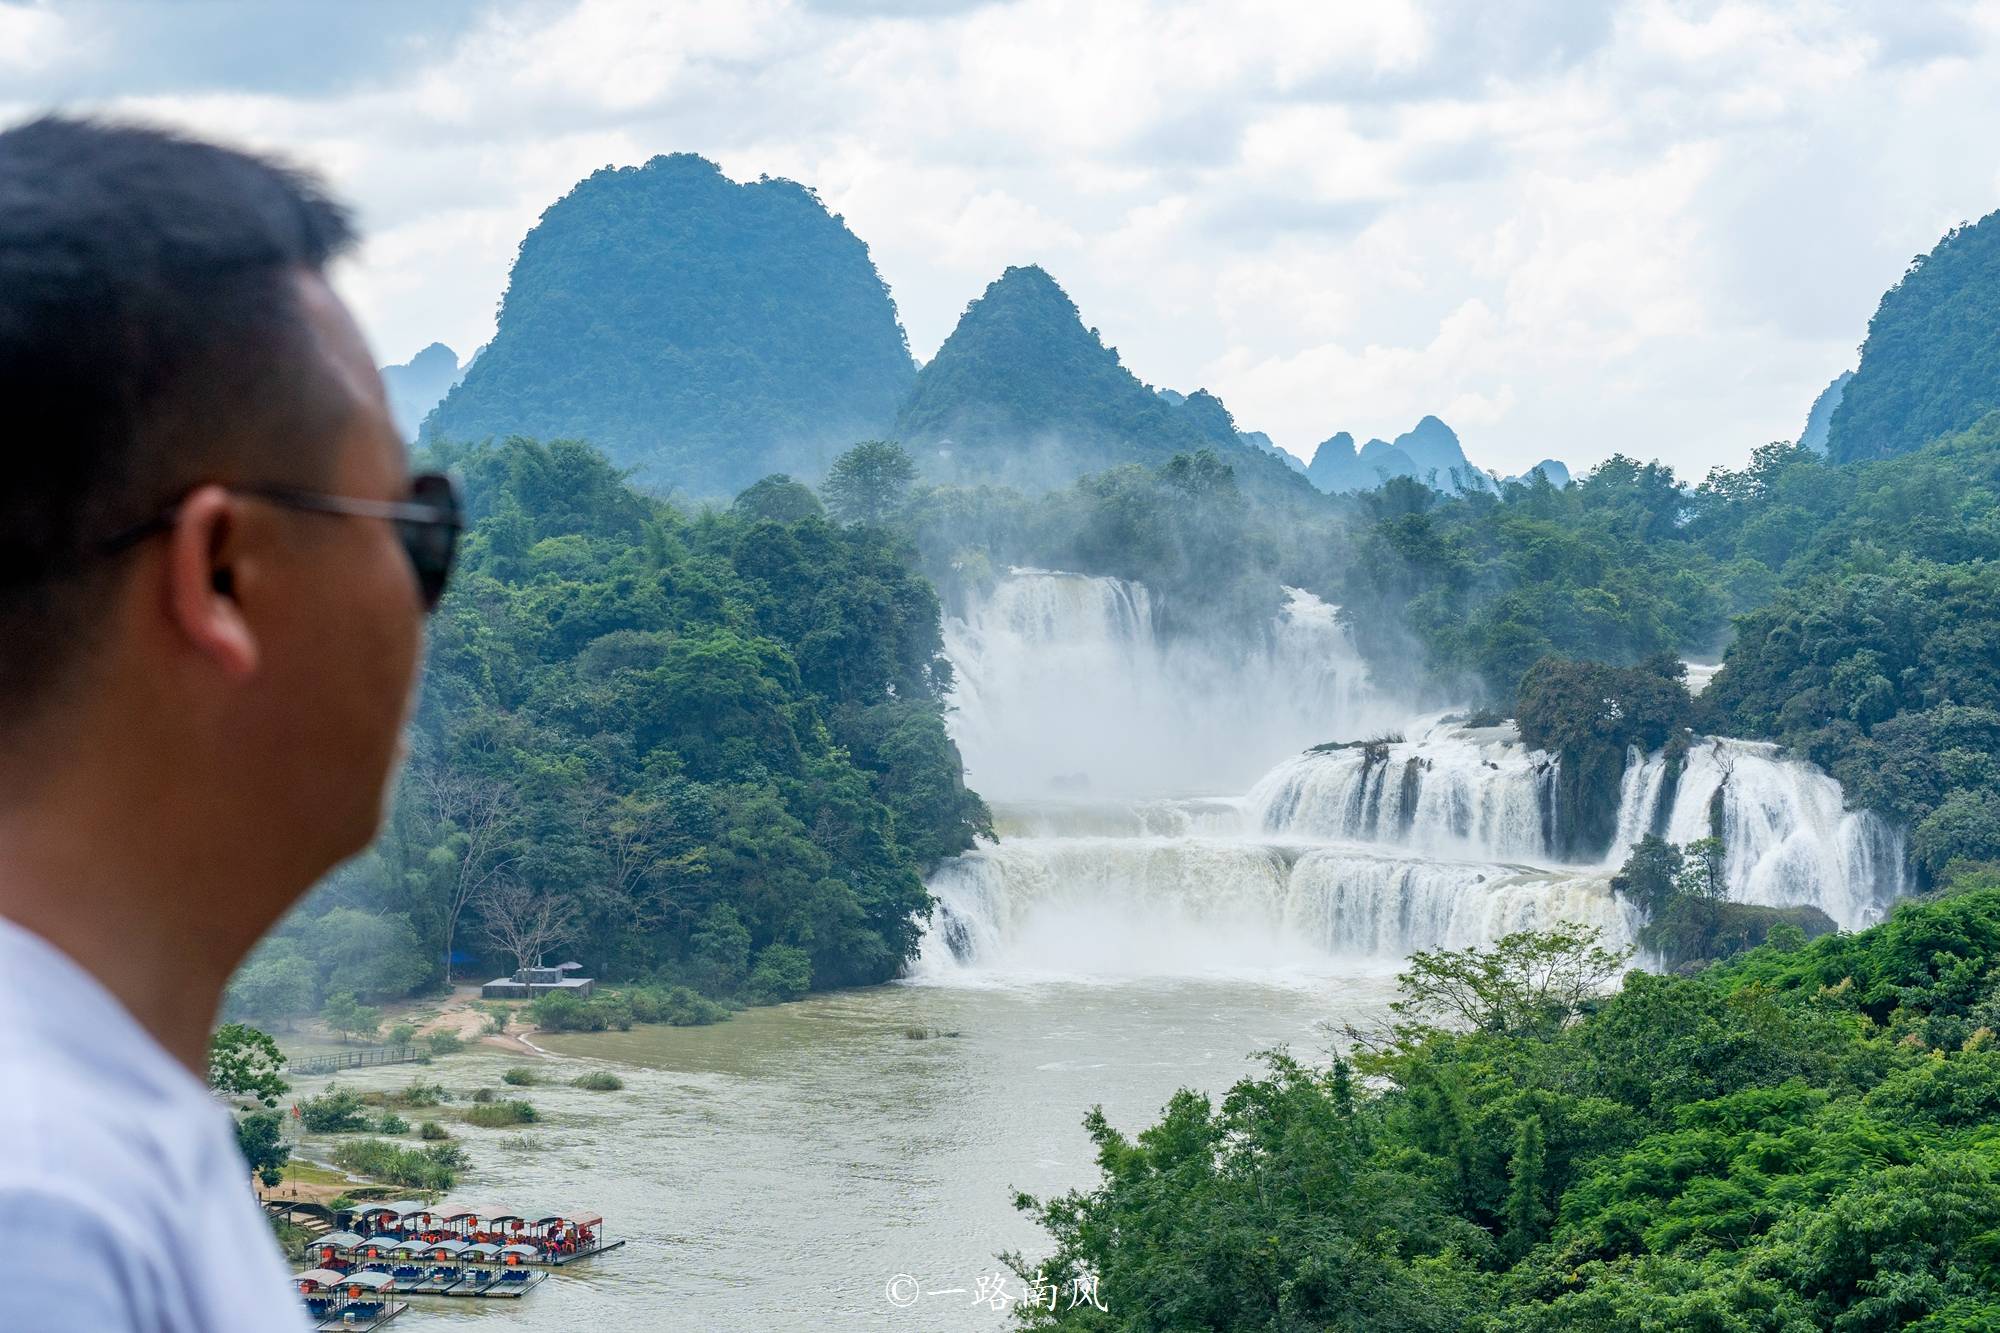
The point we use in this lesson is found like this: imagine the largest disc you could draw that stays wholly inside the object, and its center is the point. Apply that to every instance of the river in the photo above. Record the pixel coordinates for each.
(779, 1170)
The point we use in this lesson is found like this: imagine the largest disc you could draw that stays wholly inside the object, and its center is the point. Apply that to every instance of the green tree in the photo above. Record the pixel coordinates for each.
(868, 482)
(260, 1136)
(1526, 982)
(779, 499)
(1651, 876)
(243, 1062)
(1527, 1212)
(345, 1015)
(276, 986)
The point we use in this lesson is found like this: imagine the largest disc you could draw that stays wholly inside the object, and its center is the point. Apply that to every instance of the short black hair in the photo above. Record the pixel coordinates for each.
(150, 338)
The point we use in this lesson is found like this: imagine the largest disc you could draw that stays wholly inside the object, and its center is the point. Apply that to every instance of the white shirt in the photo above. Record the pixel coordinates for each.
(124, 1203)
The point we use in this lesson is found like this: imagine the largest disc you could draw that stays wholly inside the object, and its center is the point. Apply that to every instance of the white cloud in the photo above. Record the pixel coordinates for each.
(1656, 226)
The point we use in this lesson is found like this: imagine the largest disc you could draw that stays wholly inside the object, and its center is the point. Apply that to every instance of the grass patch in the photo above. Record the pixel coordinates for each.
(598, 1080)
(433, 1132)
(499, 1115)
(433, 1168)
(444, 1043)
(518, 1077)
(422, 1094)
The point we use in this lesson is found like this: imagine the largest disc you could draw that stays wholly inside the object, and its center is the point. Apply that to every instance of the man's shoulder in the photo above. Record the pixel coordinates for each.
(71, 1258)
(118, 1142)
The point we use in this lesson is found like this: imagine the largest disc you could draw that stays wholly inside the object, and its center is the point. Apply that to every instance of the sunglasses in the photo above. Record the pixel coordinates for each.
(427, 524)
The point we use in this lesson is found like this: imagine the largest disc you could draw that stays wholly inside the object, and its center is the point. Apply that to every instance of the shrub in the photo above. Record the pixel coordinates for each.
(498, 1115)
(335, 1111)
(520, 1078)
(432, 1168)
(444, 1043)
(391, 1123)
(432, 1130)
(783, 972)
(483, 1095)
(560, 1011)
(681, 1006)
(598, 1080)
(423, 1094)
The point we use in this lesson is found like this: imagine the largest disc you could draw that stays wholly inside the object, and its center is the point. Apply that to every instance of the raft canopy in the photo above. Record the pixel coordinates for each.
(321, 1277)
(412, 1246)
(337, 1240)
(454, 1248)
(480, 1251)
(368, 1281)
(528, 1250)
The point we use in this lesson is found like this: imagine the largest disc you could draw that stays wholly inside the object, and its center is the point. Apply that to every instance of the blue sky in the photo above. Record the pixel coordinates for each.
(1566, 228)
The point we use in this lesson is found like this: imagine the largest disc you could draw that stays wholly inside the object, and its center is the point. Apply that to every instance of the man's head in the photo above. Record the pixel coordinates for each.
(168, 343)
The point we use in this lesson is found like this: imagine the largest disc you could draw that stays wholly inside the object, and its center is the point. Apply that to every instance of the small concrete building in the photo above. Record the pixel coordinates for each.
(529, 982)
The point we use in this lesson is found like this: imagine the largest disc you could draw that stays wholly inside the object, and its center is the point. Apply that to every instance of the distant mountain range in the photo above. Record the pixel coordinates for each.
(707, 333)
(1430, 452)
(418, 385)
(1820, 419)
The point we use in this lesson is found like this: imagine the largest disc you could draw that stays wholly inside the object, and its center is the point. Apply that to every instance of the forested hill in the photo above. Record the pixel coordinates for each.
(1023, 394)
(703, 331)
(1931, 363)
(712, 743)
(1802, 1140)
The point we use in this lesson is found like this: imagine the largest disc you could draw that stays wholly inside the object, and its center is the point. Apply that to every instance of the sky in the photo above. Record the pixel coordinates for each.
(1567, 228)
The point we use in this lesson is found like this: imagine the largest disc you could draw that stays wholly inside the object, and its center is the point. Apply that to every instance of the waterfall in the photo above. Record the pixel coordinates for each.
(1788, 839)
(1160, 814)
(1453, 791)
(1066, 686)
(1154, 906)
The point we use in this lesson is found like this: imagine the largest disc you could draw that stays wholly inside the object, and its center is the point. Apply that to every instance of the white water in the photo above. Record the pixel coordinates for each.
(1334, 861)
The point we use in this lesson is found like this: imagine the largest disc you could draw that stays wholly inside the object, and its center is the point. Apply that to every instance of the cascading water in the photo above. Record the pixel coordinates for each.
(1787, 838)
(1366, 847)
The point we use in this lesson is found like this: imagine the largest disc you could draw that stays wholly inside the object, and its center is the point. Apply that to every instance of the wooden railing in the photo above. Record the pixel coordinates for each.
(373, 1055)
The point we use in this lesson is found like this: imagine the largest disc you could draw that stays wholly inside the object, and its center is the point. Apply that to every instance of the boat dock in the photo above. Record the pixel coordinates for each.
(382, 1252)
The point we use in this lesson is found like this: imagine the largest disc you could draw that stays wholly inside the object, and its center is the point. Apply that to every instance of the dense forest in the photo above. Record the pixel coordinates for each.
(705, 750)
(1802, 1139)
(704, 331)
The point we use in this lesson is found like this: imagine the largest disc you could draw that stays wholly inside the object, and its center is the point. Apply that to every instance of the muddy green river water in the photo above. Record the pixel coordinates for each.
(815, 1166)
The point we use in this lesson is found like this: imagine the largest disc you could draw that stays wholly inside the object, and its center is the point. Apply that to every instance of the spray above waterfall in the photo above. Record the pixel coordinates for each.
(1066, 686)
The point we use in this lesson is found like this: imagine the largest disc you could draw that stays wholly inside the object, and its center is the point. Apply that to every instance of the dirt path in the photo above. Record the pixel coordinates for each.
(463, 1018)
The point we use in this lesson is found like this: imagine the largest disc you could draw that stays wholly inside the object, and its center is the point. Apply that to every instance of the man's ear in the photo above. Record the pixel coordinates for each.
(203, 550)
